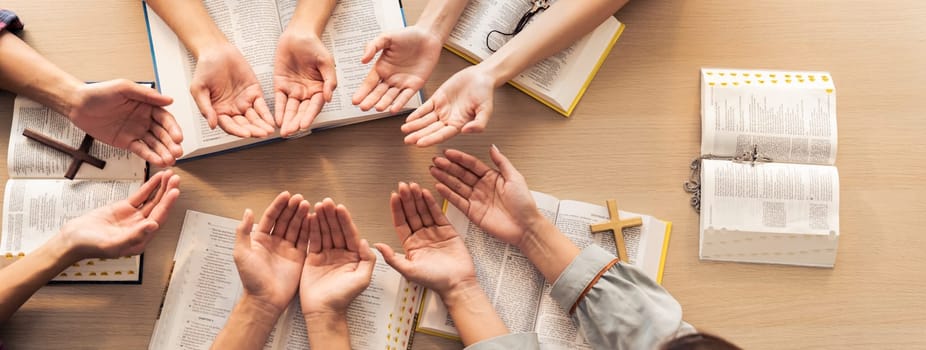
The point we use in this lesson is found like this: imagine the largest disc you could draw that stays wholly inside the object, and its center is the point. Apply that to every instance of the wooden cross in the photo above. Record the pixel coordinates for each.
(81, 154)
(617, 226)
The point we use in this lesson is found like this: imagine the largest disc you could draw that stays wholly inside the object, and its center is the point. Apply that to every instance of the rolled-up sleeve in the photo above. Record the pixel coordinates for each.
(526, 341)
(9, 21)
(616, 305)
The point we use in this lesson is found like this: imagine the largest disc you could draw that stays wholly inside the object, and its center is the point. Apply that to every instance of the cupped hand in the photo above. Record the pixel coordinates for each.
(125, 227)
(463, 103)
(339, 264)
(228, 94)
(130, 116)
(435, 256)
(408, 57)
(303, 80)
(269, 257)
(498, 201)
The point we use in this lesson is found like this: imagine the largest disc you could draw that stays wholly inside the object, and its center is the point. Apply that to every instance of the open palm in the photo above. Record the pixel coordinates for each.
(498, 201)
(228, 94)
(269, 258)
(435, 255)
(303, 80)
(463, 103)
(408, 57)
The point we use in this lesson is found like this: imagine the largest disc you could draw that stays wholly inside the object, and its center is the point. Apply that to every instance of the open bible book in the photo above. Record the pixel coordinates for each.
(519, 292)
(255, 27)
(769, 190)
(38, 200)
(559, 81)
(204, 287)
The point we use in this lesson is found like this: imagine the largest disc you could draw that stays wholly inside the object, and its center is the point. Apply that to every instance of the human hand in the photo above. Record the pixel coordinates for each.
(303, 80)
(125, 227)
(407, 60)
(435, 256)
(228, 94)
(269, 258)
(498, 201)
(463, 103)
(339, 264)
(130, 116)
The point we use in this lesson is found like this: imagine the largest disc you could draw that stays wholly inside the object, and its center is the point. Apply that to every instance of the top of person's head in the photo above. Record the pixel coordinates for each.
(699, 341)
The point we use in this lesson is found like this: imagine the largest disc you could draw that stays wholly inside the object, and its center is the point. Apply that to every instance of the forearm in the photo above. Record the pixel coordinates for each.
(555, 29)
(24, 71)
(248, 326)
(475, 318)
(548, 249)
(440, 16)
(24, 277)
(191, 22)
(328, 330)
(311, 15)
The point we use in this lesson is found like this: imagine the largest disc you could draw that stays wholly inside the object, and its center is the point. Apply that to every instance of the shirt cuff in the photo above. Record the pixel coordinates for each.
(508, 342)
(577, 276)
(9, 21)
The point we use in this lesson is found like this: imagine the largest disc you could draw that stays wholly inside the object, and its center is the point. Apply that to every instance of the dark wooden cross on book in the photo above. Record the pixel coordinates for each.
(617, 226)
(81, 154)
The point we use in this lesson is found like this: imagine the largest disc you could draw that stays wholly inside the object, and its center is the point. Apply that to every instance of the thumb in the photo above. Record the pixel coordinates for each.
(367, 258)
(381, 42)
(479, 123)
(145, 94)
(201, 97)
(398, 263)
(331, 81)
(243, 232)
(504, 165)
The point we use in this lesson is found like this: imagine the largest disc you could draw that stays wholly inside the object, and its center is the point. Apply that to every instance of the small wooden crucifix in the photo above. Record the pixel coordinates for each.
(80, 154)
(617, 226)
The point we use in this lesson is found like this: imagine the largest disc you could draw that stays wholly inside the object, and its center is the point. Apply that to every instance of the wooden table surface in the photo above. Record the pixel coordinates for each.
(631, 138)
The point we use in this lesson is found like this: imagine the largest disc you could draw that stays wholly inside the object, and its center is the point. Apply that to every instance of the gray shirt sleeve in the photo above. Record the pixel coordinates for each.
(624, 309)
(527, 341)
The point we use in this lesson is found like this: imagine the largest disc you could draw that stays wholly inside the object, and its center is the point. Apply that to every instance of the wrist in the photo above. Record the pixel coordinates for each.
(65, 95)
(461, 292)
(63, 250)
(208, 43)
(497, 73)
(258, 309)
(310, 27)
(535, 232)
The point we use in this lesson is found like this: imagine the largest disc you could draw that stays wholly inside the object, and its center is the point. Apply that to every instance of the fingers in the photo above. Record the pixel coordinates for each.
(238, 127)
(166, 121)
(153, 143)
(294, 228)
(479, 123)
(368, 84)
(272, 212)
(334, 226)
(398, 217)
(380, 43)
(154, 197)
(420, 206)
(367, 259)
(302, 243)
(387, 98)
(419, 123)
(402, 99)
(141, 149)
(259, 127)
(331, 80)
(288, 125)
(408, 207)
(324, 228)
(279, 107)
(281, 225)
(467, 161)
(137, 199)
(244, 228)
(144, 94)
(159, 211)
(421, 111)
(204, 102)
(441, 135)
(374, 96)
(504, 165)
(260, 105)
(451, 182)
(399, 263)
(351, 235)
(435, 209)
(454, 198)
(315, 234)
(308, 110)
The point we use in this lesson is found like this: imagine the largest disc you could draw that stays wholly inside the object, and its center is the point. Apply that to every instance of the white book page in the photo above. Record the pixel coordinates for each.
(352, 25)
(557, 78)
(381, 317)
(204, 285)
(34, 210)
(644, 248)
(30, 159)
(770, 197)
(511, 282)
(788, 116)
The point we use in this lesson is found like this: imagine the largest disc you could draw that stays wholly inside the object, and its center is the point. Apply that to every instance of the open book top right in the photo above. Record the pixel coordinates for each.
(769, 187)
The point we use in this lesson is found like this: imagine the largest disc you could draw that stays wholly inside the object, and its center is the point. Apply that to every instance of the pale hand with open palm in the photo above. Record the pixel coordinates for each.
(498, 201)
(339, 264)
(435, 255)
(228, 94)
(463, 103)
(269, 258)
(303, 80)
(408, 57)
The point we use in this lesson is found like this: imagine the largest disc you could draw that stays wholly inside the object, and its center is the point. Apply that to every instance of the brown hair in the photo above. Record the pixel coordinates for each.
(699, 341)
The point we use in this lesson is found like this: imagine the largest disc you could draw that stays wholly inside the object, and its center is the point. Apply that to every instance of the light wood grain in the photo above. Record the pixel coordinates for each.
(638, 123)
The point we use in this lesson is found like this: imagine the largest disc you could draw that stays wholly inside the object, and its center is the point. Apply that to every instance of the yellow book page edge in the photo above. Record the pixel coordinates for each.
(665, 252)
(575, 102)
(424, 296)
